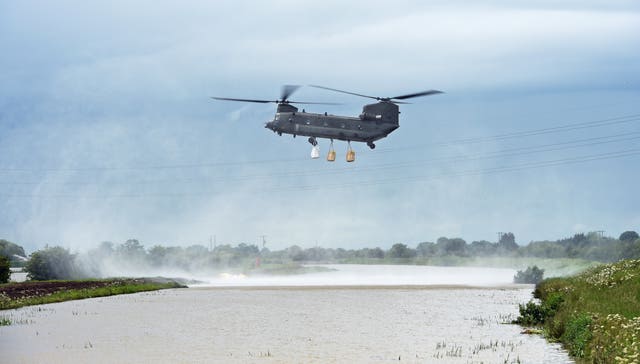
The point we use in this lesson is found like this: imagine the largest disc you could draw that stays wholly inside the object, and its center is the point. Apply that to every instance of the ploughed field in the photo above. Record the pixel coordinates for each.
(14, 295)
(39, 289)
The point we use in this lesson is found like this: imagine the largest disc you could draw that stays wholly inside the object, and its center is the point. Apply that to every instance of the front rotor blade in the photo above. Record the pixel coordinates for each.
(244, 100)
(417, 94)
(313, 103)
(345, 92)
(287, 90)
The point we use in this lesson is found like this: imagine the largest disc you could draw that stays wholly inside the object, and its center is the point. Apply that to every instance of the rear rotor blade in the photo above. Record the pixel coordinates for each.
(416, 94)
(243, 100)
(345, 92)
(287, 90)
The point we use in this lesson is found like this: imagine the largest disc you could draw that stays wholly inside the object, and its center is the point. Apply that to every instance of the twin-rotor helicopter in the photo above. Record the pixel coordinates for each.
(375, 122)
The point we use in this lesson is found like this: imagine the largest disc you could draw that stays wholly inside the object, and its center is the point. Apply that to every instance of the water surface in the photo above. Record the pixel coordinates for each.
(283, 324)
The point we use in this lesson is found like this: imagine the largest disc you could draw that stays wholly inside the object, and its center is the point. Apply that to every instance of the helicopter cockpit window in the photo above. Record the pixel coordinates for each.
(277, 116)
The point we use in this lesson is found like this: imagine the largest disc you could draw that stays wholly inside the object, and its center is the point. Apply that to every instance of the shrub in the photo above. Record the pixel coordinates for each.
(532, 314)
(51, 263)
(532, 275)
(5, 270)
(577, 334)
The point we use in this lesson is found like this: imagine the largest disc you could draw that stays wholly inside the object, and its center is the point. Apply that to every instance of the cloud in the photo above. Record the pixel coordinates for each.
(96, 96)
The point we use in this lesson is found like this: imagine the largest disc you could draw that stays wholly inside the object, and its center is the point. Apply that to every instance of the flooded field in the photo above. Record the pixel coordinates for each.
(437, 322)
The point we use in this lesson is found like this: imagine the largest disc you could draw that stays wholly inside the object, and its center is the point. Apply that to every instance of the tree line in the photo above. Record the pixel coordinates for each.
(59, 263)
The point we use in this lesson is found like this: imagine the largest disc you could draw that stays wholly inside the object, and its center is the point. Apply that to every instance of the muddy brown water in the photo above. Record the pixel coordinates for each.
(441, 322)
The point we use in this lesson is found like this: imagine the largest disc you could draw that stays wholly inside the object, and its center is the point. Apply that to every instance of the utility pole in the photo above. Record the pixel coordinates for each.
(500, 233)
(601, 233)
(264, 240)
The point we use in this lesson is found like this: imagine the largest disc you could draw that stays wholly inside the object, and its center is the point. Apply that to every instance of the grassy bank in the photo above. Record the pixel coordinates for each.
(15, 295)
(595, 315)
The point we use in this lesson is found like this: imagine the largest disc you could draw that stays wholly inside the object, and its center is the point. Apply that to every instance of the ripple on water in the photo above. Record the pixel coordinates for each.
(275, 325)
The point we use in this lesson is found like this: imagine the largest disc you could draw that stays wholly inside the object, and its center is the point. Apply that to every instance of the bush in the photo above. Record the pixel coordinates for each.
(51, 263)
(577, 334)
(5, 270)
(532, 275)
(533, 314)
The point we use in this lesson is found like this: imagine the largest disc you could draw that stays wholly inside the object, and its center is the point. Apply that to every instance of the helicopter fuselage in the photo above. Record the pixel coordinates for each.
(375, 122)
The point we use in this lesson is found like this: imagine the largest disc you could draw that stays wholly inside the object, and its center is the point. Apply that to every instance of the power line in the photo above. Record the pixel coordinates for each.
(521, 151)
(365, 183)
(526, 133)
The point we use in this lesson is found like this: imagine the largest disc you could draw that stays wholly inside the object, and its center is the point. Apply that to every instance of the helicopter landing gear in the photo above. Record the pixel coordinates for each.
(313, 141)
(371, 145)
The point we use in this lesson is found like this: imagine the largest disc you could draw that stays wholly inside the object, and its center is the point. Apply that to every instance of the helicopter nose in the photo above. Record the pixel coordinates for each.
(269, 125)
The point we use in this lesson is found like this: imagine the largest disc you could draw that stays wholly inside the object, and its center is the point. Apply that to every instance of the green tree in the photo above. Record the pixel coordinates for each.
(5, 270)
(132, 249)
(426, 249)
(401, 251)
(157, 255)
(454, 246)
(628, 236)
(482, 248)
(296, 253)
(12, 252)
(507, 242)
(51, 263)
(375, 253)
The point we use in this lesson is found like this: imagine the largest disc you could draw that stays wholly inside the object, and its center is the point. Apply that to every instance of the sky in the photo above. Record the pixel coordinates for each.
(108, 131)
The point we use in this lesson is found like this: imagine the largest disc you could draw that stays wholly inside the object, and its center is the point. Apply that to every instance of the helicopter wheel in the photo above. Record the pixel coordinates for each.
(371, 145)
(313, 141)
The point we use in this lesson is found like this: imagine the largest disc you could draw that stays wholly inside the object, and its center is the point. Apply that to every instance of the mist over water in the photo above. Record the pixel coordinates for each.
(370, 275)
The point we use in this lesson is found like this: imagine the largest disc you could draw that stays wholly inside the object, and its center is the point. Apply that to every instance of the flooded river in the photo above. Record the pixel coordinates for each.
(415, 317)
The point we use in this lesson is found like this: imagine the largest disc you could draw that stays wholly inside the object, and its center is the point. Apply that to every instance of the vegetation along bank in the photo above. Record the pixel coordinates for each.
(595, 315)
(15, 295)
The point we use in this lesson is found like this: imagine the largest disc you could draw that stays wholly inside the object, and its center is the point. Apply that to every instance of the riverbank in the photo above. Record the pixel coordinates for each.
(15, 295)
(595, 315)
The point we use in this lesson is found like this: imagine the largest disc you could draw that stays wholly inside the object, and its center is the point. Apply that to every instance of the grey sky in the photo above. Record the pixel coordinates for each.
(107, 131)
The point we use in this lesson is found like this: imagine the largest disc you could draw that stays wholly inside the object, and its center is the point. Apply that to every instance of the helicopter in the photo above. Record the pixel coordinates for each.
(376, 121)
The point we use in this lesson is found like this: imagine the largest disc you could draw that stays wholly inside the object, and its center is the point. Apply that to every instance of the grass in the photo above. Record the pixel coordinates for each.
(596, 315)
(110, 287)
